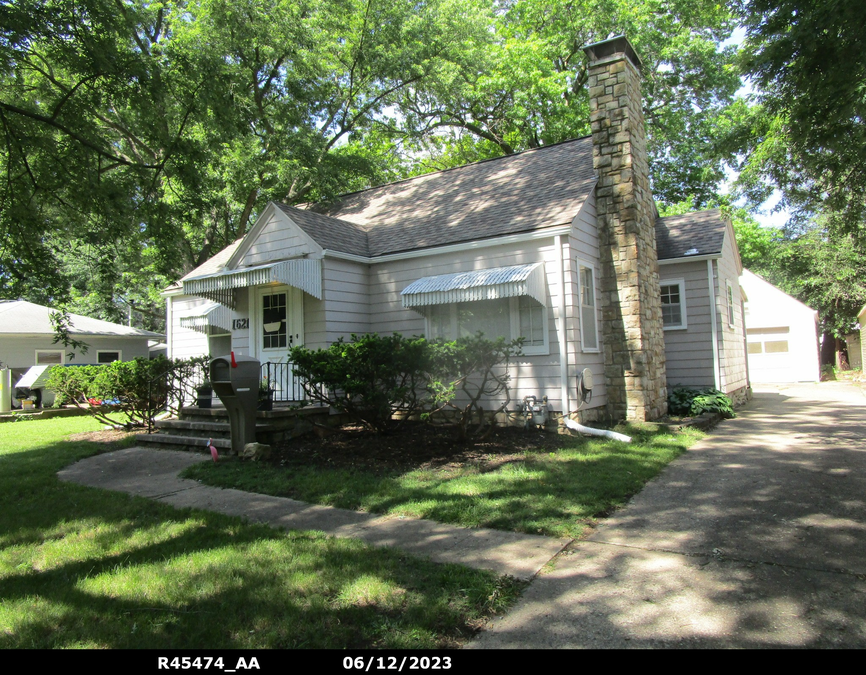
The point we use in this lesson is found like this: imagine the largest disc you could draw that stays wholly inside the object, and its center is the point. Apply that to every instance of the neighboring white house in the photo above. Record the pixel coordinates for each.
(26, 336)
(782, 334)
(556, 245)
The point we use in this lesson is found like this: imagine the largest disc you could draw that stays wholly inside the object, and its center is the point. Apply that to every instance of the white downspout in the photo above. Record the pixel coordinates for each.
(168, 332)
(563, 347)
(714, 325)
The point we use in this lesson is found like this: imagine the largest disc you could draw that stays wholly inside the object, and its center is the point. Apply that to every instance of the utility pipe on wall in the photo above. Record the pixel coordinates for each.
(714, 325)
(560, 329)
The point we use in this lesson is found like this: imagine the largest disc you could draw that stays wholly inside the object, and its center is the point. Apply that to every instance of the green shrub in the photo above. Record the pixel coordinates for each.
(685, 401)
(466, 372)
(128, 393)
(371, 378)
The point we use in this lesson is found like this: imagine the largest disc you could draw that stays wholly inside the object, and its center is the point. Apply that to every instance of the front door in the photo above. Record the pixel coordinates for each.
(279, 327)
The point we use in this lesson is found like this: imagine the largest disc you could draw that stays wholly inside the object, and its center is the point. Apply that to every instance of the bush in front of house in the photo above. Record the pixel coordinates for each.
(465, 373)
(128, 394)
(372, 378)
(686, 401)
(382, 381)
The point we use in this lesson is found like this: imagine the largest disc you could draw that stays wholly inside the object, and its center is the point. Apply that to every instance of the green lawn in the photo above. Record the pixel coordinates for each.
(81, 567)
(553, 493)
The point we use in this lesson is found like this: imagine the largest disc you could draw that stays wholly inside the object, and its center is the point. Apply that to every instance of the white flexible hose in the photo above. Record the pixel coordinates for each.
(589, 431)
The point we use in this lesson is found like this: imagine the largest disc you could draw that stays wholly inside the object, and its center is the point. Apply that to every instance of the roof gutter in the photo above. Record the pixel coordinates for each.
(690, 258)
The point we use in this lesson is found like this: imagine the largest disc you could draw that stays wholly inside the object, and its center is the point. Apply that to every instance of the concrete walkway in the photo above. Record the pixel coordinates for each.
(755, 538)
(154, 474)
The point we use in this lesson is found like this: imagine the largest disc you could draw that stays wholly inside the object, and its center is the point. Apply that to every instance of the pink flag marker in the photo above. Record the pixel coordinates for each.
(213, 450)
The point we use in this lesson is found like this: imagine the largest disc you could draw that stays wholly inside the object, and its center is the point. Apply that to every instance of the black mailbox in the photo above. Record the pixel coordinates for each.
(238, 388)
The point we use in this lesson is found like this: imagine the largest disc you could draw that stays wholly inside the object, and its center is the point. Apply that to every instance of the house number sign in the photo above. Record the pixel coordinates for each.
(240, 324)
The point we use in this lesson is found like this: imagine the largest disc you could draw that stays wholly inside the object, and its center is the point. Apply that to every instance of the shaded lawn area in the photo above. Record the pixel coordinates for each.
(522, 481)
(82, 567)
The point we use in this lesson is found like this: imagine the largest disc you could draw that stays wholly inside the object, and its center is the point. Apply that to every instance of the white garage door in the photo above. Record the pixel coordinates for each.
(771, 358)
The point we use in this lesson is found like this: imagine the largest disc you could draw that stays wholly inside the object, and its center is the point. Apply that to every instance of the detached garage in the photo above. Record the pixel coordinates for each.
(781, 334)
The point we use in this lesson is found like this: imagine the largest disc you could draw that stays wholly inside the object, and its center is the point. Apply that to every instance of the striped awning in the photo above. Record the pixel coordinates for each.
(489, 284)
(302, 273)
(211, 318)
(35, 378)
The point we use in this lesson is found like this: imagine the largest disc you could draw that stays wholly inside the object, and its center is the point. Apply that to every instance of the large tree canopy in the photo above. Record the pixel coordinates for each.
(139, 138)
(808, 135)
(529, 87)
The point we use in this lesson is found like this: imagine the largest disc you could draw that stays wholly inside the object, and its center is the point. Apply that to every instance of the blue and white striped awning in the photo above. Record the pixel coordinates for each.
(489, 284)
(302, 273)
(211, 318)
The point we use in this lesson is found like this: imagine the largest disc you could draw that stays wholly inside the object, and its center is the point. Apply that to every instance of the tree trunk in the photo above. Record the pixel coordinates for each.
(828, 350)
(842, 355)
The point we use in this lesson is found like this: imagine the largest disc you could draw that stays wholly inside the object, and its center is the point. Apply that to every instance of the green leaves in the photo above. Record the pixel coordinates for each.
(524, 85)
(809, 61)
(128, 393)
(684, 401)
(372, 378)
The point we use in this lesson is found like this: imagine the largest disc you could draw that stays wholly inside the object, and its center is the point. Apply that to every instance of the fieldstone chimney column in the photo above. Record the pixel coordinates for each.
(634, 349)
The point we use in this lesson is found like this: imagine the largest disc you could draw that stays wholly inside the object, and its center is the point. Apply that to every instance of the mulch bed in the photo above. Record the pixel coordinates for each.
(414, 446)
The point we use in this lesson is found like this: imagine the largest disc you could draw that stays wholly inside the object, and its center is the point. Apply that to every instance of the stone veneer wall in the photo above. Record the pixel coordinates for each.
(634, 348)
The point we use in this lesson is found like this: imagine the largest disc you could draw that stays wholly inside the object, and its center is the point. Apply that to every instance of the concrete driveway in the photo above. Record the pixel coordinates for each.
(755, 538)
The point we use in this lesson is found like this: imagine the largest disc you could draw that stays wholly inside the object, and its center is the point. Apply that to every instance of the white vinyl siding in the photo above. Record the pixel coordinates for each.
(730, 303)
(583, 245)
(689, 351)
(732, 334)
(20, 351)
(279, 239)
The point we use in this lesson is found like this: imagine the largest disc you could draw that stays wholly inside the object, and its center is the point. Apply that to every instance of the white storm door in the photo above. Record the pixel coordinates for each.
(279, 322)
(279, 326)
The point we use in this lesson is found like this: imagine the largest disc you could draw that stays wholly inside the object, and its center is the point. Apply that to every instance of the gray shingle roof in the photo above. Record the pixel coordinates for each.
(702, 231)
(527, 191)
(19, 317)
(330, 233)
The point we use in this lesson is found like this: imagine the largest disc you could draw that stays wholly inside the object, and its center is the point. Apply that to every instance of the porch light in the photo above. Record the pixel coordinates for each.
(273, 326)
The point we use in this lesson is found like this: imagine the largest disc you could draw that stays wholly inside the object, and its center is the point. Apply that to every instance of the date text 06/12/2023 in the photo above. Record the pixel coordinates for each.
(394, 663)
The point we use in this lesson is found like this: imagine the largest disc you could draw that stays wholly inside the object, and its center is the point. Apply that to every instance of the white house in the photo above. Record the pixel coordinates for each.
(556, 245)
(26, 340)
(781, 332)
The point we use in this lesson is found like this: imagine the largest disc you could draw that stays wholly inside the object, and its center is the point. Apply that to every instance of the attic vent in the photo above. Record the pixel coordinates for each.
(691, 251)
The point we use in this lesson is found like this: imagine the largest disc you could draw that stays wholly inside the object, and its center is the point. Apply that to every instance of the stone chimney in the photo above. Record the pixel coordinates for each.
(634, 348)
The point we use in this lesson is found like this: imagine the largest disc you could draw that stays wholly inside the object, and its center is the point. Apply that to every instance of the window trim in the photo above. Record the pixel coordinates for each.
(51, 351)
(730, 302)
(583, 348)
(684, 321)
(514, 323)
(119, 353)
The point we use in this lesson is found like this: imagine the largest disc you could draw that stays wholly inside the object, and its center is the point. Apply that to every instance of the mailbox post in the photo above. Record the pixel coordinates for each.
(235, 380)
